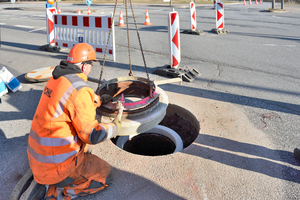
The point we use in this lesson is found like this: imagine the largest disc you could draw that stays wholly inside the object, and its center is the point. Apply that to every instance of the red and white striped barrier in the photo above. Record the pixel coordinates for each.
(250, 2)
(50, 25)
(260, 2)
(220, 20)
(72, 29)
(174, 39)
(193, 15)
(220, 15)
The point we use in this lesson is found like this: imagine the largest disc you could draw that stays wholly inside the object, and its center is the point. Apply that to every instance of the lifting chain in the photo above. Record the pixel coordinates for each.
(139, 39)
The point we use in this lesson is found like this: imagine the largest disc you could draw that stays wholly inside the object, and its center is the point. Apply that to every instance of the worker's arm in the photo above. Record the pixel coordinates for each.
(83, 119)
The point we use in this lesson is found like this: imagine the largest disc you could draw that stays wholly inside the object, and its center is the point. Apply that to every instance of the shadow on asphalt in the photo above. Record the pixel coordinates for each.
(134, 187)
(25, 102)
(12, 168)
(265, 160)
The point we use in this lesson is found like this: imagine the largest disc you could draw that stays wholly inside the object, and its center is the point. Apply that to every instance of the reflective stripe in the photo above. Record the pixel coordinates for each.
(77, 83)
(50, 159)
(48, 141)
(60, 107)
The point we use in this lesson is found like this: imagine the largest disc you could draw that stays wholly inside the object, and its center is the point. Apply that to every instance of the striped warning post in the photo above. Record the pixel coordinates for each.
(250, 2)
(193, 15)
(174, 39)
(220, 16)
(50, 25)
(220, 20)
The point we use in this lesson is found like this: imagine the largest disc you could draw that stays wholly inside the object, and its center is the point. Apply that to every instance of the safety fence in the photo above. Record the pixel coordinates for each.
(72, 29)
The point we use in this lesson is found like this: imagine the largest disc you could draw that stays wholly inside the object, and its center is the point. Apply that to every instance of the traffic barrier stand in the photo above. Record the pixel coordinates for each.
(220, 20)
(121, 20)
(71, 29)
(260, 1)
(147, 19)
(215, 2)
(10, 81)
(250, 2)
(3, 88)
(173, 70)
(244, 2)
(193, 21)
(50, 46)
(58, 11)
(256, 2)
(187, 74)
(89, 11)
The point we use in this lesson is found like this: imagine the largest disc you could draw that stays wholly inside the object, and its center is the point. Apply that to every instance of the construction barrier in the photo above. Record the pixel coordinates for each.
(174, 39)
(193, 21)
(220, 20)
(250, 2)
(220, 16)
(50, 25)
(72, 29)
(193, 15)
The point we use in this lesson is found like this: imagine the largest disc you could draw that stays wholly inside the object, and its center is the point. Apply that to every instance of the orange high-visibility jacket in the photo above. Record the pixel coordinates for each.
(63, 123)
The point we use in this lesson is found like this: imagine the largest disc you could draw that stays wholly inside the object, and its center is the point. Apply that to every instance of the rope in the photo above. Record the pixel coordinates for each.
(139, 39)
(112, 22)
(129, 55)
(138, 35)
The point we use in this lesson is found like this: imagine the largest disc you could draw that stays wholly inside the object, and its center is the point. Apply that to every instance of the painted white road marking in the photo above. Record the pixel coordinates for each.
(37, 29)
(21, 26)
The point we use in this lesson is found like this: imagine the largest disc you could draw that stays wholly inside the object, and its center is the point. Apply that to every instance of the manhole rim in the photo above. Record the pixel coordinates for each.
(159, 129)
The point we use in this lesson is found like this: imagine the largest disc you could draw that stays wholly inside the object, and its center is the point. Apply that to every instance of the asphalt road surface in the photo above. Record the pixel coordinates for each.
(254, 68)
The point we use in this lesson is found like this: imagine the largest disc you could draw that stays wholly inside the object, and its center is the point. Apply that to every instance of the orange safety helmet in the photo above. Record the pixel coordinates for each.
(81, 52)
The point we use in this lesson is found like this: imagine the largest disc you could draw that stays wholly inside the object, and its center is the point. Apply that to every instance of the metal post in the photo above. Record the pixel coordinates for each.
(170, 2)
(282, 2)
(273, 4)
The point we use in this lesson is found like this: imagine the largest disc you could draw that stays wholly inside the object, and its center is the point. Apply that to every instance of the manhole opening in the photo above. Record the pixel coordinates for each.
(150, 144)
(178, 129)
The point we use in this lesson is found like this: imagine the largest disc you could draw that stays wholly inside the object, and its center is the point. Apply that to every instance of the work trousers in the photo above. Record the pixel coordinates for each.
(91, 176)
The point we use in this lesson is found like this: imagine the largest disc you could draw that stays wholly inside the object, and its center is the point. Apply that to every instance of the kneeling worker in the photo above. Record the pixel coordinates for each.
(62, 127)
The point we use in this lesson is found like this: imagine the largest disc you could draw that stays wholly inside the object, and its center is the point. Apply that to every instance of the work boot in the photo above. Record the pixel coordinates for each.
(297, 153)
(35, 191)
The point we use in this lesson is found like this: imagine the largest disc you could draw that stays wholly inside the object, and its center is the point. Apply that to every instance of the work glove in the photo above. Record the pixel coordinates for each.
(105, 98)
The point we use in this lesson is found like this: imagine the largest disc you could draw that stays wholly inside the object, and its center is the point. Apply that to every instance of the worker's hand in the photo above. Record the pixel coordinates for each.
(105, 98)
(118, 124)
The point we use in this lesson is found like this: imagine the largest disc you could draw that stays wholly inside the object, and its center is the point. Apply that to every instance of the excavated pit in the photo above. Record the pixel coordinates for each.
(178, 129)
